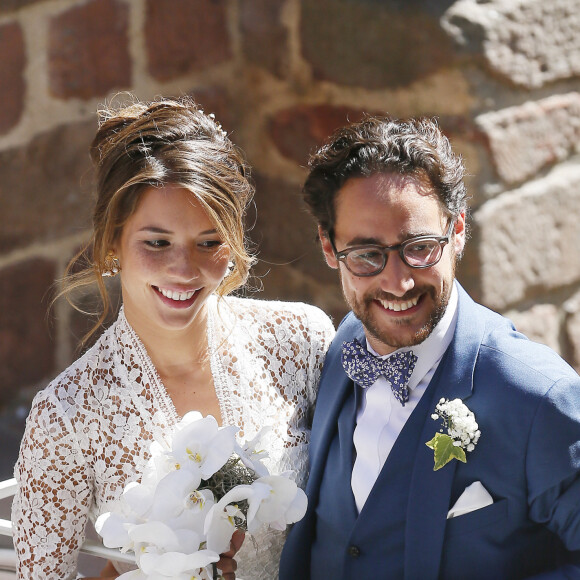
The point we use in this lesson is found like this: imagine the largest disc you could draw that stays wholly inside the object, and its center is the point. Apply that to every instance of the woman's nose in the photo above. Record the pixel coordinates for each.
(184, 264)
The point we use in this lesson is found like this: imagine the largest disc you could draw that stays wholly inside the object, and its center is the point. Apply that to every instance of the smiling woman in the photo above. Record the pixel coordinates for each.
(172, 192)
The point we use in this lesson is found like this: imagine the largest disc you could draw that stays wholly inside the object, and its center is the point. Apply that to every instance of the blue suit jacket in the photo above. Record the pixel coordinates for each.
(526, 401)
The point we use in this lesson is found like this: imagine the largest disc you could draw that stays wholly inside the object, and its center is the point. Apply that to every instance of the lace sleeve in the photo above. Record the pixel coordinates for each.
(50, 509)
(321, 331)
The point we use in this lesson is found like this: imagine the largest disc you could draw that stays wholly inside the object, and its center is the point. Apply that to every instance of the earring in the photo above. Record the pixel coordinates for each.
(111, 265)
(229, 268)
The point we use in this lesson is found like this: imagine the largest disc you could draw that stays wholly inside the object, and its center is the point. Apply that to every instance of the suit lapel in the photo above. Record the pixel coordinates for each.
(430, 490)
(335, 387)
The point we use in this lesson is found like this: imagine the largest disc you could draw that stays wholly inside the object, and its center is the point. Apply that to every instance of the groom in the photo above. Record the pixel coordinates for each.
(392, 492)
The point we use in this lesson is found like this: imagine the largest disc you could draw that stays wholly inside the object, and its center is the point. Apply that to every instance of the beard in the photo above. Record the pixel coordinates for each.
(396, 334)
(391, 337)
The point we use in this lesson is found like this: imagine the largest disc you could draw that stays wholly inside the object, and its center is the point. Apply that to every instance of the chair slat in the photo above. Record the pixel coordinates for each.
(8, 489)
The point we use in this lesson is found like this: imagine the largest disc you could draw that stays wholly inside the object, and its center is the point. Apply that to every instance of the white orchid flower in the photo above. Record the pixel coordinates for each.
(252, 453)
(158, 537)
(220, 522)
(133, 575)
(177, 565)
(277, 501)
(159, 465)
(114, 529)
(137, 498)
(202, 445)
(173, 493)
(197, 506)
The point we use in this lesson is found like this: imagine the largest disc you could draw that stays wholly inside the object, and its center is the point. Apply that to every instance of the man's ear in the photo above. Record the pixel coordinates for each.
(327, 248)
(459, 240)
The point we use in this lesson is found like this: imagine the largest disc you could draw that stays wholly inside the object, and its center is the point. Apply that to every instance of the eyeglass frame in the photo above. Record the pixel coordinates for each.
(384, 250)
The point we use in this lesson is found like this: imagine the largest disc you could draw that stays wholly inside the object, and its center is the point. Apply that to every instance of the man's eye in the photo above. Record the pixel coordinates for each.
(368, 256)
(423, 247)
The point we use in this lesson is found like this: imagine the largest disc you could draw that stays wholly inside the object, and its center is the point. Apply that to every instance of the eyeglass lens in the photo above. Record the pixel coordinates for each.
(418, 254)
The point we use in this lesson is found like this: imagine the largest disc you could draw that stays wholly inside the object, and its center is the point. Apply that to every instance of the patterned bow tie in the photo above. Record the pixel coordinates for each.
(364, 368)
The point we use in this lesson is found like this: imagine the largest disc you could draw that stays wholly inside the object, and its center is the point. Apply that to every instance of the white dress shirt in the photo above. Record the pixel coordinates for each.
(380, 417)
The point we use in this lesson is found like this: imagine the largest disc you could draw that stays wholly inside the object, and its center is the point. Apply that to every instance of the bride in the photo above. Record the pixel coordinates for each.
(172, 191)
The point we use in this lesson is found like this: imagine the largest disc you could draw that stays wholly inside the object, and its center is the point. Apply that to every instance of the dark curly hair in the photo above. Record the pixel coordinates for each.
(384, 145)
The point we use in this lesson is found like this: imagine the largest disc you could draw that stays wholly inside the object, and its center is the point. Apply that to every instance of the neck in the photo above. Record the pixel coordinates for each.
(172, 351)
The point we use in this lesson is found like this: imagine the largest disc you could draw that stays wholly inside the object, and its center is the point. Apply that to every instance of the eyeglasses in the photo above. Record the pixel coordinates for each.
(419, 252)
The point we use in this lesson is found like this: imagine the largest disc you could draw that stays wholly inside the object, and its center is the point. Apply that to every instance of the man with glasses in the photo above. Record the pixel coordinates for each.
(444, 443)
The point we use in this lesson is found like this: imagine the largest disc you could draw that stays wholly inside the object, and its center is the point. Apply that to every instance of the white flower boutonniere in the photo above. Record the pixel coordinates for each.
(462, 432)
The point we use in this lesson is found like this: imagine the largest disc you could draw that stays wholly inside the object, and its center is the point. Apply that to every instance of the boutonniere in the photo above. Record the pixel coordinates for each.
(462, 432)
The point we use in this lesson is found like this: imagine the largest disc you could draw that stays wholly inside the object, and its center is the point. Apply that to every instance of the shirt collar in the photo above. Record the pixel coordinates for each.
(432, 349)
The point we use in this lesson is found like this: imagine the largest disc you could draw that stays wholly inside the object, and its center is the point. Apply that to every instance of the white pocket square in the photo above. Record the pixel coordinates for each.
(473, 498)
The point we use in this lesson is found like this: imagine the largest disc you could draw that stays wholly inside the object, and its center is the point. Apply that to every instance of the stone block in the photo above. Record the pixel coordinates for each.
(572, 329)
(374, 44)
(88, 51)
(284, 232)
(264, 37)
(44, 187)
(215, 99)
(528, 138)
(528, 43)
(7, 6)
(540, 323)
(298, 131)
(528, 239)
(185, 35)
(27, 351)
(12, 84)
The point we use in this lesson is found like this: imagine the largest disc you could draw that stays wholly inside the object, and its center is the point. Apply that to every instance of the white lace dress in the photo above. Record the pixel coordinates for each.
(89, 431)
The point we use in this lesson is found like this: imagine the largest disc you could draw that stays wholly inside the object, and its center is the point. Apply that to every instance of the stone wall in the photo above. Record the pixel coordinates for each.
(502, 77)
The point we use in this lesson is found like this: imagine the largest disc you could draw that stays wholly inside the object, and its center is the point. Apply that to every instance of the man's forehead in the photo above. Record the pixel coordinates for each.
(390, 189)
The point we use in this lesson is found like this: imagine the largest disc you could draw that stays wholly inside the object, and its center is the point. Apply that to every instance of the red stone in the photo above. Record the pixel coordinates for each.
(264, 37)
(45, 187)
(216, 100)
(11, 5)
(27, 351)
(88, 53)
(12, 85)
(185, 35)
(374, 44)
(297, 131)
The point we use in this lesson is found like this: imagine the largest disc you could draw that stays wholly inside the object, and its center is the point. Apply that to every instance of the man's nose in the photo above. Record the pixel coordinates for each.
(396, 277)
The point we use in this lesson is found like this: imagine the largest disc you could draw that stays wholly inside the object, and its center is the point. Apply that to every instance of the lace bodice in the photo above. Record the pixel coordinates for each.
(88, 432)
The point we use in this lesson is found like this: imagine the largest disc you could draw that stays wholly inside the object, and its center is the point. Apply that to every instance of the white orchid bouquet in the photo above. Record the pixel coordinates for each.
(196, 490)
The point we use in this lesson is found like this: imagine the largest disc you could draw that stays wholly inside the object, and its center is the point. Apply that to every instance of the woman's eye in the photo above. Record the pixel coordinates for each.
(157, 243)
(210, 244)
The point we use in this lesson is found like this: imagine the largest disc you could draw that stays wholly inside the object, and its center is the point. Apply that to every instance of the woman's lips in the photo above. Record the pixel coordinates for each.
(177, 298)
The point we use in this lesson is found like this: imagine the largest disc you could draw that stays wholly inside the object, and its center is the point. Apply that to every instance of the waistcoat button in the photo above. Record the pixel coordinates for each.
(354, 551)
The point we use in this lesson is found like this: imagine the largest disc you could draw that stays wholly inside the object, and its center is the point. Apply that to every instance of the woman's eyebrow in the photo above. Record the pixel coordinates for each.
(158, 230)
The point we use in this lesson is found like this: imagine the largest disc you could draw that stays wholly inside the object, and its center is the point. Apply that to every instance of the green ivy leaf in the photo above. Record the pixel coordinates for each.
(444, 450)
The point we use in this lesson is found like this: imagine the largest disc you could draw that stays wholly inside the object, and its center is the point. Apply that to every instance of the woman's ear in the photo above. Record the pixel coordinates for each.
(327, 248)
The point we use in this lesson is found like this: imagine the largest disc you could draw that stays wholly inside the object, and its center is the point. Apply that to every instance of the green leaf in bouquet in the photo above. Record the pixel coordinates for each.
(445, 450)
